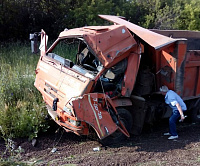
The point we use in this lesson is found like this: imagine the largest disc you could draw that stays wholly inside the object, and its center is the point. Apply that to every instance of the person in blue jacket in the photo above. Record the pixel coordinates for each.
(178, 108)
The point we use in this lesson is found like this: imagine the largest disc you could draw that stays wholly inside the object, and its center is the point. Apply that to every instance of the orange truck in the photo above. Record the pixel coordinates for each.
(111, 84)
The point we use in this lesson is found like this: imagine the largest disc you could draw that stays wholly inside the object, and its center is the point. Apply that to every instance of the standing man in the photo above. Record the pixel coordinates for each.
(178, 107)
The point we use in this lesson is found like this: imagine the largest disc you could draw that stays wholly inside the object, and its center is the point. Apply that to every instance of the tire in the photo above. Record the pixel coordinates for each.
(127, 120)
(195, 112)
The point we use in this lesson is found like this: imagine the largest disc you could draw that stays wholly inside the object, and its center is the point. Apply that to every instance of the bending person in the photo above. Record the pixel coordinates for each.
(178, 107)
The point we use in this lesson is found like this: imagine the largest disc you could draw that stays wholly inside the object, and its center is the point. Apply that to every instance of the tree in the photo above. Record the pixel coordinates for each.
(18, 18)
(87, 11)
(159, 14)
(190, 16)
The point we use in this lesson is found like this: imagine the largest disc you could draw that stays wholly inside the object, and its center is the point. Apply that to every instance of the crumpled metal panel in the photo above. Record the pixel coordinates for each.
(110, 45)
(153, 39)
(92, 108)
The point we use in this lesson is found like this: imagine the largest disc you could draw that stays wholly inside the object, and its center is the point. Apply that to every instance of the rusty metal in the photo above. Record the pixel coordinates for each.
(153, 39)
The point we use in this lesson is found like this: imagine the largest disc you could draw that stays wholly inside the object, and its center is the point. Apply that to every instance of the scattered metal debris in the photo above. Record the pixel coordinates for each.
(53, 150)
(34, 141)
(96, 148)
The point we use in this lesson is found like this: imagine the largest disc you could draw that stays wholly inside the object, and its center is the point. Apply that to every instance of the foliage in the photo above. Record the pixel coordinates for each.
(86, 13)
(21, 107)
(27, 16)
(190, 16)
(159, 14)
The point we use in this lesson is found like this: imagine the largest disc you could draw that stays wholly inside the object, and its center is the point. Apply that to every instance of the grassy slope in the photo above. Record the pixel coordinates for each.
(21, 107)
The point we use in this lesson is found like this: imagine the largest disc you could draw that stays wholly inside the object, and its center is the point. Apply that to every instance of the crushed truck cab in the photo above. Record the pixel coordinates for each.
(74, 93)
(111, 80)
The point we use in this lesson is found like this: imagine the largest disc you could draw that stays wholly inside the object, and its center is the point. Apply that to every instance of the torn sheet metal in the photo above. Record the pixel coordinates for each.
(153, 39)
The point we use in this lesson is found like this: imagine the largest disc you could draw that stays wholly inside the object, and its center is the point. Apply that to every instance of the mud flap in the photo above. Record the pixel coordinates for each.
(98, 111)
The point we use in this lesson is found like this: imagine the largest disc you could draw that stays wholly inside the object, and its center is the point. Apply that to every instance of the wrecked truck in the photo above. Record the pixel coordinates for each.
(110, 85)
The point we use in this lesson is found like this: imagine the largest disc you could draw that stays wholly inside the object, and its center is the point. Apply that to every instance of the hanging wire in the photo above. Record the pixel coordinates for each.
(103, 91)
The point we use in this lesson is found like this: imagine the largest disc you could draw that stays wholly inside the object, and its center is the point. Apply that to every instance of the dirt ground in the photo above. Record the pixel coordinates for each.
(150, 148)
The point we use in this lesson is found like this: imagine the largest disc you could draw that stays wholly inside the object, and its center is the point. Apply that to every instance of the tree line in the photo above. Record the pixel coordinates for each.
(19, 18)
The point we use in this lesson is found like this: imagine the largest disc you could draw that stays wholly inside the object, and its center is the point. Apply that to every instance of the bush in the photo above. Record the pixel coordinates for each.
(21, 107)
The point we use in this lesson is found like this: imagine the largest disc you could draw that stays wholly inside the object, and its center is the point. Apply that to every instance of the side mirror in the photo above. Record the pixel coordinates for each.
(34, 42)
(43, 43)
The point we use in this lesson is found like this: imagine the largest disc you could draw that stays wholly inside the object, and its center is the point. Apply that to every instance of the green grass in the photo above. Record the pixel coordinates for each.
(67, 50)
(21, 107)
(12, 163)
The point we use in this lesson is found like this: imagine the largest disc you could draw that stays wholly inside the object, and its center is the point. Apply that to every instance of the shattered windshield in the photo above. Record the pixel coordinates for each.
(67, 49)
(74, 53)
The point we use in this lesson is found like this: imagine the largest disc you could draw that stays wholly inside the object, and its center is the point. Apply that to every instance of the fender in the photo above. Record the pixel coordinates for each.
(98, 111)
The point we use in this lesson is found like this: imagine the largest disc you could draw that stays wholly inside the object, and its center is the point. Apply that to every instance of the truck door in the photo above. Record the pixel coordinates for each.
(57, 78)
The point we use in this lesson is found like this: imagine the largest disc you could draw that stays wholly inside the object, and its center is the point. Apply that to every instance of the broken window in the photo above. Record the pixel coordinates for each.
(74, 53)
(111, 81)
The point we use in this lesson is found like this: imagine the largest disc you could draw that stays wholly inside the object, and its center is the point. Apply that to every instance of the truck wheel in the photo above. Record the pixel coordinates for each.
(195, 112)
(127, 120)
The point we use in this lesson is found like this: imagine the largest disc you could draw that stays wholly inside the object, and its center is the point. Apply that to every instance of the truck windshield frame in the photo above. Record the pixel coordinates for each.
(75, 54)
